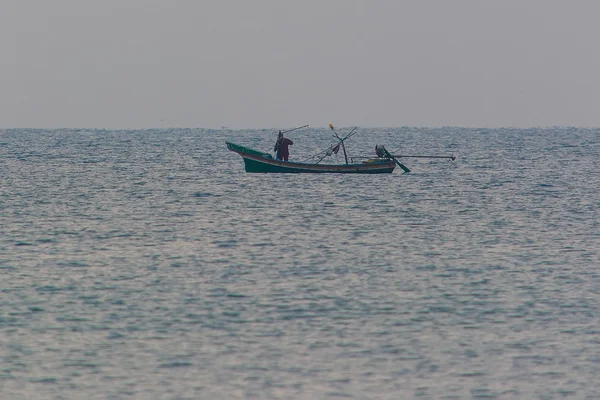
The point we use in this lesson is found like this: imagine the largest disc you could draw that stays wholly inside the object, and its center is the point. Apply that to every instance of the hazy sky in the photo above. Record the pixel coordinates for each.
(278, 63)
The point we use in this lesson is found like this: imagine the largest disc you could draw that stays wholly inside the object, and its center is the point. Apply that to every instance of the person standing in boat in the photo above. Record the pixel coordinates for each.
(282, 147)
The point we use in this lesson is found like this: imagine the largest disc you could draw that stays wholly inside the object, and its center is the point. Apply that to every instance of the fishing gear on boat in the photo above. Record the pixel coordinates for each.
(334, 148)
(294, 129)
(343, 139)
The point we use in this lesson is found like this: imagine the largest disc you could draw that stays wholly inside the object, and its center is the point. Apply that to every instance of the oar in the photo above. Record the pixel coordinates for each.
(387, 154)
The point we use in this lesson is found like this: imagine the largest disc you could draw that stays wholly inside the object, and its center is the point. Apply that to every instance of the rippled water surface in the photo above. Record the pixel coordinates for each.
(149, 265)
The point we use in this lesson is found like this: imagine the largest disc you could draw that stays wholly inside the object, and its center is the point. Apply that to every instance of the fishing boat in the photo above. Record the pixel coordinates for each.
(257, 161)
(263, 162)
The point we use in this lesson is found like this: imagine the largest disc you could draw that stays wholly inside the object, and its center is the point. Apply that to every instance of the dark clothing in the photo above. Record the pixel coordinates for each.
(283, 152)
(277, 143)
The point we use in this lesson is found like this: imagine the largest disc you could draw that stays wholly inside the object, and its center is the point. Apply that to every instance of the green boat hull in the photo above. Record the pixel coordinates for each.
(259, 162)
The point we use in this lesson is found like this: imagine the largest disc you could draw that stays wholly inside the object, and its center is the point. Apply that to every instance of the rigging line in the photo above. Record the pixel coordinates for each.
(316, 155)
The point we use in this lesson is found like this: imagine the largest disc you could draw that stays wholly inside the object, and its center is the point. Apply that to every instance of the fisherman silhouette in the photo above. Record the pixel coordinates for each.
(281, 147)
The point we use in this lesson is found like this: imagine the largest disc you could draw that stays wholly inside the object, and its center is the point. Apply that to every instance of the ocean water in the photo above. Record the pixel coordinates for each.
(149, 265)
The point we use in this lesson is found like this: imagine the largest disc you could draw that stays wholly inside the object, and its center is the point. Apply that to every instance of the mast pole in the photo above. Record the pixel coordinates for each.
(345, 155)
(341, 140)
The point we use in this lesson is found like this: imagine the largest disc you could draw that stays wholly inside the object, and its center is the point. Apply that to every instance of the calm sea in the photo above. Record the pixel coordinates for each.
(149, 265)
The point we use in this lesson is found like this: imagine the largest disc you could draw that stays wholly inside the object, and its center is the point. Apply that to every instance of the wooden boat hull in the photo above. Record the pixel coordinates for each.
(258, 162)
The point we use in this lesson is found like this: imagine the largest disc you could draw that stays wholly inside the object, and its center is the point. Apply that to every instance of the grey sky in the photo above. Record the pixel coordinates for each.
(277, 63)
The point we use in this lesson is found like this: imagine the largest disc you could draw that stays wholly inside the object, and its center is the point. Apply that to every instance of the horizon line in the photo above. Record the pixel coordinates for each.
(225, 128)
